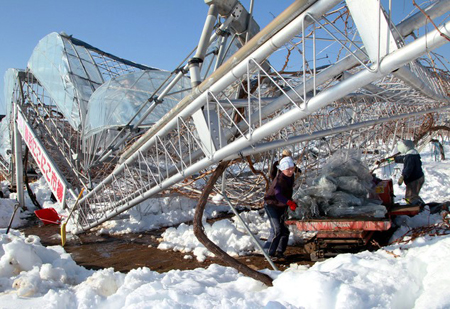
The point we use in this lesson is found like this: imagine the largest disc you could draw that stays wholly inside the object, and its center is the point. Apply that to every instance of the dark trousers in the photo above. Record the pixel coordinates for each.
(279, 232)
(413, 189)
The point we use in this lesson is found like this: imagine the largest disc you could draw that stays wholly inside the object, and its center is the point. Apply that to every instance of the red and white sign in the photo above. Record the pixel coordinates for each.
(50, 172)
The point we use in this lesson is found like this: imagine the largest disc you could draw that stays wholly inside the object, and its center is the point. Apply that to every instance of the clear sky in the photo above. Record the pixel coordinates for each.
(157, 33)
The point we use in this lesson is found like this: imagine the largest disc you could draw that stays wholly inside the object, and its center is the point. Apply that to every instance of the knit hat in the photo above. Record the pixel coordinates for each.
(286, 153)
(285, 163)
(405, 145)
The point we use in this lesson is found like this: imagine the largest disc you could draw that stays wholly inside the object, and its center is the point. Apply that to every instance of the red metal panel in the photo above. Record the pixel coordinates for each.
(345, 237)
(341, 225)
(341, 234)
(385, 191)
(404, 210)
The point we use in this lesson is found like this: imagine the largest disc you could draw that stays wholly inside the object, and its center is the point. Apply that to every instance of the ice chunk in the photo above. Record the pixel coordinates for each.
(370, 210)
(307, 208)
(341, 197)
(347, 163)
(323, 186)
(352, 184)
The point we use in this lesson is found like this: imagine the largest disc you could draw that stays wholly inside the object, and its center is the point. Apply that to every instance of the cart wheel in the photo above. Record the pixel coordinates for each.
(317, 256)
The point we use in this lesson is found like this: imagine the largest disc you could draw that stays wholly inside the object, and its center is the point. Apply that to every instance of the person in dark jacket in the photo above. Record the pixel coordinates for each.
(274, 169)
(277, 199)
(438, 149)
(412, 173)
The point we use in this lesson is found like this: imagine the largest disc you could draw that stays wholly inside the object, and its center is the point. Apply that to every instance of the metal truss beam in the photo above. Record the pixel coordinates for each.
(162, 143)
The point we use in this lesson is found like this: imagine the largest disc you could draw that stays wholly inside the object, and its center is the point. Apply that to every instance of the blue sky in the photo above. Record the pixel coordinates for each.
(156, 33)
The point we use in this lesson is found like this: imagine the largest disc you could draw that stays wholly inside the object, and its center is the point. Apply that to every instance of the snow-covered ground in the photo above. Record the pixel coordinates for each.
(412, 274)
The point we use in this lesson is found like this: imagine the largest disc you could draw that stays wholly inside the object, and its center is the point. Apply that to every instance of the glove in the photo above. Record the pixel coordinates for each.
(292, 205)
(400, 181)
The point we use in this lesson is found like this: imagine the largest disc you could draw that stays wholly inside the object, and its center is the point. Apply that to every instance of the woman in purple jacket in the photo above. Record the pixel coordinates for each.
(277, 199)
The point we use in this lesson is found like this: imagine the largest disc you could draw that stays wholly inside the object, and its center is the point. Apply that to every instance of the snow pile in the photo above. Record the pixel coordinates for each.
(4, 188)
(43, 194)
(412, 275)
(223, 233)
(159, 212)
(6, 212)
(256, 221)
(409, 276)
(405, 223)
(230, 236)
(32, 269)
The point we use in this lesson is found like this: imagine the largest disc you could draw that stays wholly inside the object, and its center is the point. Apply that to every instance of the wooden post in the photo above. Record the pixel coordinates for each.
(201, 236)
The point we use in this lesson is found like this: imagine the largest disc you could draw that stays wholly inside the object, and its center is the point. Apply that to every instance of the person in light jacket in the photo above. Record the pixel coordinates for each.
(412, 173)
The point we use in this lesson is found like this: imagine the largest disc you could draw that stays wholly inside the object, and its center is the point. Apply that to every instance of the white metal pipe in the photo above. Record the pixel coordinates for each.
(404, 28)
(407, 27)
(187, 107)
(258, 42)
(206, 33)
(350, 61)
(388, 64)
(267, 146)
(18, 159)
(418, 20)
(249, 232)
(195, 62)
(316, 10)
(415, 82)
(194, 70)
(221, 53)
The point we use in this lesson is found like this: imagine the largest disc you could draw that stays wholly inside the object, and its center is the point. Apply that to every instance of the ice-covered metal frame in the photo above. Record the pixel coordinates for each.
(11, 92)
(245, 107)
(335, 107)
(62, 75)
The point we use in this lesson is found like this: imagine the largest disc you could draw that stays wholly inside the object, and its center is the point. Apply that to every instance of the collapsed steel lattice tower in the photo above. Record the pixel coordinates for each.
(231, 102)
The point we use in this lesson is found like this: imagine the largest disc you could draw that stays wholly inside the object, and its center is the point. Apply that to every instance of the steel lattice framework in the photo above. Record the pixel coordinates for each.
(246, 109)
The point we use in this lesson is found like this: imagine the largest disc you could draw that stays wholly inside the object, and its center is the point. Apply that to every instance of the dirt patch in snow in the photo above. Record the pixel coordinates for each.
(126, 252)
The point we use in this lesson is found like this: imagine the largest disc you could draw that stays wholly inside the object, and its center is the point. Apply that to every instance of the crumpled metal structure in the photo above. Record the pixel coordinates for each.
(88, 106)
(68, 73)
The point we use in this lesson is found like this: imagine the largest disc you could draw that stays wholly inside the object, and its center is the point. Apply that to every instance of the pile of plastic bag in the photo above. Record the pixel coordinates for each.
(341, 190)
